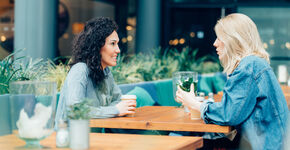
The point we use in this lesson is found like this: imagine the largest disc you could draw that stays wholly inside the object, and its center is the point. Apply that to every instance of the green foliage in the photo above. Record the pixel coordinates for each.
(144, 67)
(30, 69)
(157, 65)
(24, 68)
(56, 73)
(210, 65)
(12, 69)
(7, 73)
(80, 111)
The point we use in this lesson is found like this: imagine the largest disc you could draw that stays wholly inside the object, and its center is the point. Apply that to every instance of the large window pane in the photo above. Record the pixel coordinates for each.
(274, 27)
(78, 13)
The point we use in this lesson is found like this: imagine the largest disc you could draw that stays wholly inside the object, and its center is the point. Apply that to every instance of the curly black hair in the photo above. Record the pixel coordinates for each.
(88, 43)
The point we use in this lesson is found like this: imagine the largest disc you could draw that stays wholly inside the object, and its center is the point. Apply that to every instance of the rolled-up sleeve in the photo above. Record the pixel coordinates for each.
(104, 111)
(238, 101)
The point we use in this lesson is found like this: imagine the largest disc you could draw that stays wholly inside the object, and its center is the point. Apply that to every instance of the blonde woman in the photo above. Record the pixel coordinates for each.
(252, 101)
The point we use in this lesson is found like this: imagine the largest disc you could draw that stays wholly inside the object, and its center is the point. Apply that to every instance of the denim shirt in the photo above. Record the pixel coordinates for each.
(254, 103)
(78, 85)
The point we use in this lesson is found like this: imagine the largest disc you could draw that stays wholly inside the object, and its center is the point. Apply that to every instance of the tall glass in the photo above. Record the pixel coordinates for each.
(184, 79)
(32, 110)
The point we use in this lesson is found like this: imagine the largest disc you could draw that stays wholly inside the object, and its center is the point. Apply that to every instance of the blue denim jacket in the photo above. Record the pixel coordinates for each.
(254, 103)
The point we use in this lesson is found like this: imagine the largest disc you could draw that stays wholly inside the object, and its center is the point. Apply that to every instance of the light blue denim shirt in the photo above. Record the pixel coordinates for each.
(254, 103)
(78, 85)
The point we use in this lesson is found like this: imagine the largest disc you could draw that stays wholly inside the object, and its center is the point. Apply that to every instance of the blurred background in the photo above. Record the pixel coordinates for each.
(46, 28)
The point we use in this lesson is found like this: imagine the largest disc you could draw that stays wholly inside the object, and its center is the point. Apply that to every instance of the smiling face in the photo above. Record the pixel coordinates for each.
(220, 46)
(110, 50)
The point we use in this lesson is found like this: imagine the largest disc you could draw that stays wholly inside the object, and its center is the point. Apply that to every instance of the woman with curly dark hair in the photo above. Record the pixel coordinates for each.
(94, 49)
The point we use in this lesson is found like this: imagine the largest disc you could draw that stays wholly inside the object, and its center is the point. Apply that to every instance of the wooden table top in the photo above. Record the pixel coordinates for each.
(286, 91)
(166, 118)
(106, 141)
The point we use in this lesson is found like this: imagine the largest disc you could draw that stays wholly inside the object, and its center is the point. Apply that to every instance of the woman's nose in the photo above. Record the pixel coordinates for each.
(118, 49)
(215, 44)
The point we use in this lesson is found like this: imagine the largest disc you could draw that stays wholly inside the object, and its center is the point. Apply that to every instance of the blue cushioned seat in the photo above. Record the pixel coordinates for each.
(148, 86)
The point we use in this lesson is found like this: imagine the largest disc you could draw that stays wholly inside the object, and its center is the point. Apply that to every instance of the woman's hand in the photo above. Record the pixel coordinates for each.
(188, 98)
(126, 107)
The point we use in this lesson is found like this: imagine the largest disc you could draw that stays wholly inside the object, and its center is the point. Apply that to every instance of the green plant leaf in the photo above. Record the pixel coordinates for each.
(80, 111)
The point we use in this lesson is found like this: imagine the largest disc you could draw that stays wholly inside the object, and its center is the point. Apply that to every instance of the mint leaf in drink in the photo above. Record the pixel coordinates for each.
(185, 84)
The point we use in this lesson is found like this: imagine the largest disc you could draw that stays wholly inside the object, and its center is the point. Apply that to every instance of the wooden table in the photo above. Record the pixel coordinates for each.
(159, 118)
(116, 141)
(286, 91)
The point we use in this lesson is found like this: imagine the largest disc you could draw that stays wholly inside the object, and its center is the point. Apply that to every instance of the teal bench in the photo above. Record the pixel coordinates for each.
(161, 91)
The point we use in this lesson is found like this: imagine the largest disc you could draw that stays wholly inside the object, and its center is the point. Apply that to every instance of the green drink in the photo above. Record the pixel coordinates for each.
(195, 86)
(183, 80)
(185, 84)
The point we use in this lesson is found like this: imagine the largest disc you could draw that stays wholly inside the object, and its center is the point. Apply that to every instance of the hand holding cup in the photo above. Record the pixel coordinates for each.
(127, 105)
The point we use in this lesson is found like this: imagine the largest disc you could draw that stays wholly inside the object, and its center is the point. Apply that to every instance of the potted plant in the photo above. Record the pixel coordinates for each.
(78, 115)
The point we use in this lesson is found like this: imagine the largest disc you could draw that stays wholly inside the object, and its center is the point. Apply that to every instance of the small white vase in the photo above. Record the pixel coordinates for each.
(79, 131)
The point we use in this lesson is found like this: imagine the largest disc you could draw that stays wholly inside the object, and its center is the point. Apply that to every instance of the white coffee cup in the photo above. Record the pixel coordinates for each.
(129, 97)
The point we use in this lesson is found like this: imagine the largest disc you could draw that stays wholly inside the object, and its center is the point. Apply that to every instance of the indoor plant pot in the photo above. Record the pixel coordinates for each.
(79, 129)
(79, 134)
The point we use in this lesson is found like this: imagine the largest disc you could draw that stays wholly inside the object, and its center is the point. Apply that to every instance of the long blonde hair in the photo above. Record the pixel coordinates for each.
(241, 38)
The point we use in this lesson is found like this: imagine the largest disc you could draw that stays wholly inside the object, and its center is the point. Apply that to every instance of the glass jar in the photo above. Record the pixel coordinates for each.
(32, 105)
(62, 135)
(210, 97)
(200, 96)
